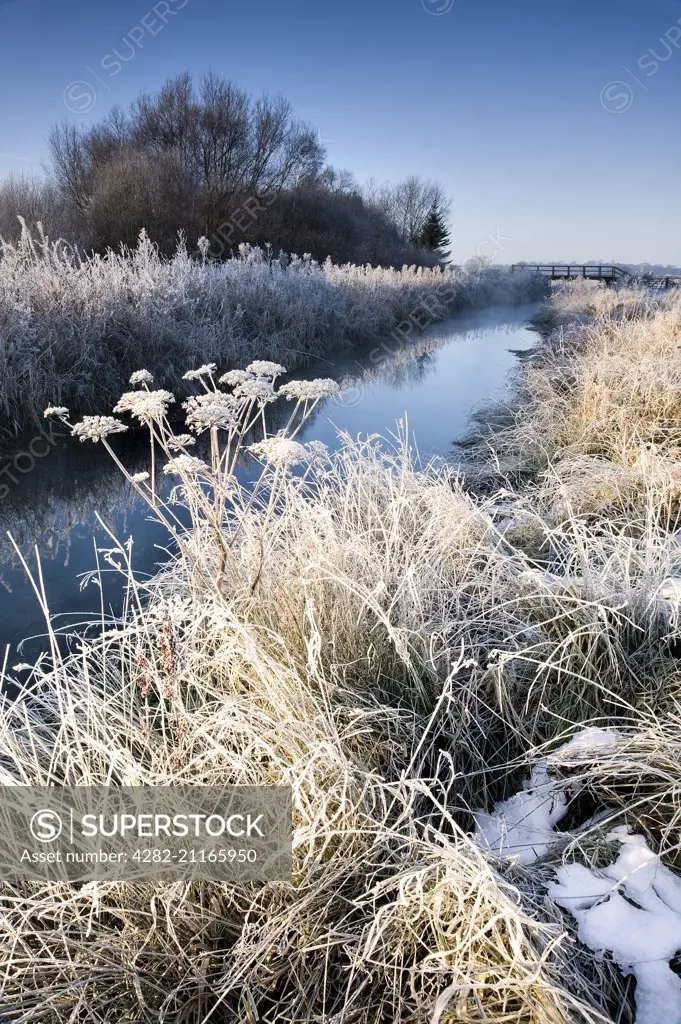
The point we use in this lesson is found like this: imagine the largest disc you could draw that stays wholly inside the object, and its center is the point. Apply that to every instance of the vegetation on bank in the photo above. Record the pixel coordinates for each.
(404, 652)
(73, 327)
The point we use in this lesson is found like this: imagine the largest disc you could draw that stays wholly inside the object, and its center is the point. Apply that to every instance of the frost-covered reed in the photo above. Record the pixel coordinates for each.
(73, 327)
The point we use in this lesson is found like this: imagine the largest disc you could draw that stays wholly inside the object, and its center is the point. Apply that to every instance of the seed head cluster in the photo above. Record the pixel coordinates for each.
(145, 406)
(310, 390)
(96, 428)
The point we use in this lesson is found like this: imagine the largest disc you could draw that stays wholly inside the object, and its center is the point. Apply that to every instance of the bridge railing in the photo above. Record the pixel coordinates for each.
(595, 271)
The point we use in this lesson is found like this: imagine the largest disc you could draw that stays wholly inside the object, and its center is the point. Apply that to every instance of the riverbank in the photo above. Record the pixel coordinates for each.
(53, 500)
(473, 699)
(74, 327)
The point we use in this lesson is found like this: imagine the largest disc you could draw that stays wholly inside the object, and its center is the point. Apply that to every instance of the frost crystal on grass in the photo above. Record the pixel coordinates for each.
(94, 428)
(280, 451)
(264, 368)
(139, 478)
(202, 371)
(141, 377)
(145, 406)
(310, 390)
(56, 410)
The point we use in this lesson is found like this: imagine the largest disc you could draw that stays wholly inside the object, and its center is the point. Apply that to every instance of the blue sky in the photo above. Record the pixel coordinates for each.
(509, 105)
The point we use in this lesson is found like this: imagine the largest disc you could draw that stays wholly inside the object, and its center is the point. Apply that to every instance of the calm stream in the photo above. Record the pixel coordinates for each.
(435, 382)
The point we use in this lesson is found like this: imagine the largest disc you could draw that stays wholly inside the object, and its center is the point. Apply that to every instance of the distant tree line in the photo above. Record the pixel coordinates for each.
(213, 162)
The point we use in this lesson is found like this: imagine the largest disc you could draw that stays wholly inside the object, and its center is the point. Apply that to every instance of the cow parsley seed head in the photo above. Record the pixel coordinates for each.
(56, 410)
(234, 377)
(222, 398)
(258, 389)
(139, 478)
(318, 451)
(145, 406)
(211, 416)
(203, 371)
(94, 428)
(180, 441)
(310, 390)
(177, 609)
(141, 377)
(279, 451)
(264, 368)
(214, 409)
(185, 465)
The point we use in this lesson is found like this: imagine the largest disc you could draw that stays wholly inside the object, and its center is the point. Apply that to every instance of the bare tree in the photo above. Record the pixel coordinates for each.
(71, 168)
(339, 180)
(36, 201)
(133, 191)
(407, 203)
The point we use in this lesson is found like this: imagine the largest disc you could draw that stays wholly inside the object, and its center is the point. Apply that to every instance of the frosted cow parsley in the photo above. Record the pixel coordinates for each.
(145, 406)
(310, 390)
(141, 377)
(264, 368)
(234, 377)
(96, 428)
(214, 409)
(257, 389)
(180, 441)
(203, 371)
(280, 451)
(185, 465)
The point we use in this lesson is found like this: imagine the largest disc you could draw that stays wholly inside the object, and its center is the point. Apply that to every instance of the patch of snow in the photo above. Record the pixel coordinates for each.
(523, 827)
(590, 739)
(632, 910)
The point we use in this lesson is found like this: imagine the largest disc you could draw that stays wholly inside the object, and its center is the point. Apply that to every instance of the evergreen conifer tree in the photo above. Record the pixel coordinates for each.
(434, 236)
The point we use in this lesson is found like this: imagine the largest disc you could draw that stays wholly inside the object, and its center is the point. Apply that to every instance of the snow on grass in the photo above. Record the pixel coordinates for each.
(523, 827)
(630, 909)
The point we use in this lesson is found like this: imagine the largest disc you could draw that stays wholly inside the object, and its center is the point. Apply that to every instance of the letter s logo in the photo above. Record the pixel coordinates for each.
(617, 97)
(46, 826)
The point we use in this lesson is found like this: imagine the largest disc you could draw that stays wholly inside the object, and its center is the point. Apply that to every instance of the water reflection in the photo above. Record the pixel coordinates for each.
(436, 380)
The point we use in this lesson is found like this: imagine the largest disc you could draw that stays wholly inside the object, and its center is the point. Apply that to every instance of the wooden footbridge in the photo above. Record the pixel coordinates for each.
(609, 273)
